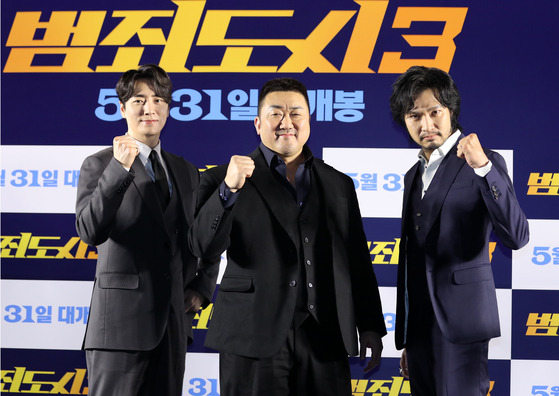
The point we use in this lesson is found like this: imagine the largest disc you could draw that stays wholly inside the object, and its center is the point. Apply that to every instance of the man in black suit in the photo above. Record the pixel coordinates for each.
(299, 280)
(135, 203)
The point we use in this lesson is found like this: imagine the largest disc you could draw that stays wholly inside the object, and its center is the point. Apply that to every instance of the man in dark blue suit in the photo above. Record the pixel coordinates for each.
(454, 196)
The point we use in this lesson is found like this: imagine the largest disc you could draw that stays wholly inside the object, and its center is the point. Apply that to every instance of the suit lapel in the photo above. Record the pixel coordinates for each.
(443, 180)
(146, 190)
(182, 186)
(408, 182)
(264, 182)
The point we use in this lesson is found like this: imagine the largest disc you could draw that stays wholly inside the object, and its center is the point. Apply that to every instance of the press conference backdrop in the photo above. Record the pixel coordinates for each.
(61, 60)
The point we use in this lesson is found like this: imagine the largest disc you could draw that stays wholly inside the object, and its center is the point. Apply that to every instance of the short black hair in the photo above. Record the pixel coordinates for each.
(154, 76)
(282, 84)
(417, 79)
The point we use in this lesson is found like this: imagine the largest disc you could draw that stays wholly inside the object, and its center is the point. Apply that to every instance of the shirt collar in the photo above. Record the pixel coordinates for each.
(443, 150)
(272, 159)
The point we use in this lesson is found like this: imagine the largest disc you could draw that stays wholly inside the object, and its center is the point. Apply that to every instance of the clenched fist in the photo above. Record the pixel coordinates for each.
(125, 150)
(240, 167)
(470, 149)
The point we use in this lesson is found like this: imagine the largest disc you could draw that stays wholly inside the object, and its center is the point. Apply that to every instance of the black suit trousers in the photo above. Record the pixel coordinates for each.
(313, 361)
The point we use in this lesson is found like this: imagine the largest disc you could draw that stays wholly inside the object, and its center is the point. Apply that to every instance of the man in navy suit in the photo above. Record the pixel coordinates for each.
(454, 196)
(135, 203)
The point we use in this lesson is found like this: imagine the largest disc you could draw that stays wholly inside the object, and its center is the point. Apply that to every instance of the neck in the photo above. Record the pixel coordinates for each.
(293, 162)
(150, 141)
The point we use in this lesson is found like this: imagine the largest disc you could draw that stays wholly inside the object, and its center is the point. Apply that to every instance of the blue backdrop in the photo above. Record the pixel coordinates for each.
(61, 61)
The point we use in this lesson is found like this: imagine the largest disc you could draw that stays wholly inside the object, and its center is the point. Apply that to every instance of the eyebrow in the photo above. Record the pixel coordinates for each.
(281, 107)
(139, 95)
(414, 111)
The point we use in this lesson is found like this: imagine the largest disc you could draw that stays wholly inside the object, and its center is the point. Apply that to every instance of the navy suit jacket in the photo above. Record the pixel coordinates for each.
(254, 307)
(463, 210)
(118, 211)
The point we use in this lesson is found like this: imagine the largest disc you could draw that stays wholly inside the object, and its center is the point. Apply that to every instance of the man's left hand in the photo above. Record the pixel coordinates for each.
(372, 340)
(193, 300)
(470, 149)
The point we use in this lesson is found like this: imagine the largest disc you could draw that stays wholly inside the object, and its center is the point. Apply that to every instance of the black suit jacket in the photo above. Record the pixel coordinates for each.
(255, 303)
(118, 212)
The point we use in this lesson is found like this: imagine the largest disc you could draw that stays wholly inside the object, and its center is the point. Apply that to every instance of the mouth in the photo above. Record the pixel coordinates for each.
(286, 134)
(429, 136)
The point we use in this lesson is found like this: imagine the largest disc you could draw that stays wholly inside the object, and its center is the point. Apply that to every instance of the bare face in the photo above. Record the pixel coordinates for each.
(429, 122)
(145, 114)
(283, 124)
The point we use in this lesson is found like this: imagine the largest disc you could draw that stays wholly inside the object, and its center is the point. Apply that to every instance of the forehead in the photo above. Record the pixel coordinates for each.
(141, 88)
(285, 99)
(425, 100)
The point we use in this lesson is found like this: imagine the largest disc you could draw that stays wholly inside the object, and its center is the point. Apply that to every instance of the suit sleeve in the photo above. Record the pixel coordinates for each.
(366, 296)
(205, 280)
(508, 219)
(101, 188)
(206, 272)
(209, 235)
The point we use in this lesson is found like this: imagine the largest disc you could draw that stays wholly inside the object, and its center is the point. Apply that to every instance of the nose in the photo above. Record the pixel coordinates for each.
(426, 123)
(147, 107)
(286, 122)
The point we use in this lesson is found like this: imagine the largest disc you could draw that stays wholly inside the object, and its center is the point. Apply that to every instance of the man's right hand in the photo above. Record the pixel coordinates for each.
(404, 365)
(125, 150)
(240, 167)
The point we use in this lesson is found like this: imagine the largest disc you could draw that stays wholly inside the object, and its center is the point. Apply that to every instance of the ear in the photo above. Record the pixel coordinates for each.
(122, 109)
(257, 125)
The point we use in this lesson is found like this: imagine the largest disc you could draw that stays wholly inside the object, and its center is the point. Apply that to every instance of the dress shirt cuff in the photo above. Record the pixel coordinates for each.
(484, 170)
(227, 197)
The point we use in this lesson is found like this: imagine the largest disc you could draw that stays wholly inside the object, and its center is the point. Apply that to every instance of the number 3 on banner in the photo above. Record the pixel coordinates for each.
(200, 389)
(108, 97)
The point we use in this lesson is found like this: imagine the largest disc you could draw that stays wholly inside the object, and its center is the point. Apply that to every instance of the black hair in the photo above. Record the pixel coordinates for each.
(154, 76)
(417, 79)
(282, 84)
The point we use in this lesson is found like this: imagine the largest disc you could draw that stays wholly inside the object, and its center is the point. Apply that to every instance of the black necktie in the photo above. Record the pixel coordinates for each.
(160, 177)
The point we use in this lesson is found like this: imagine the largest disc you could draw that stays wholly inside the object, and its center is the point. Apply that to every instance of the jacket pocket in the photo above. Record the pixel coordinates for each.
(236, 284)
(462, 184)
(473, 274)
(114, 280)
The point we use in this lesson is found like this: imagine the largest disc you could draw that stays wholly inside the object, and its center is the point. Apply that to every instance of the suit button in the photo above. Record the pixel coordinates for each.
(167, 275)
(293, 283)
(310, 284)
(306, 240)
(417, 228)
(418, 214)
(308, 262)
(311, 306)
